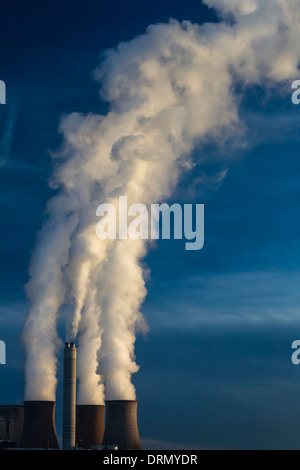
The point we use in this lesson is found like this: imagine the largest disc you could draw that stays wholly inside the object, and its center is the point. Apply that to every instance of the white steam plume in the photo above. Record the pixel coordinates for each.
(168, 90)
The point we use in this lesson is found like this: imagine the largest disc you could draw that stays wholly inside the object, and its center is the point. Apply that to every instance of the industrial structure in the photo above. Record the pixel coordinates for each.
(69, 399)
(90, 425)
(39, 425)
(121, 426)
(32, 426)
(11, 424)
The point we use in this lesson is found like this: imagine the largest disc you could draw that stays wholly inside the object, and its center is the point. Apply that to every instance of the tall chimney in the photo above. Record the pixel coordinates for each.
(39, 426)
(69, 400)
(90, 424)
(121, 425)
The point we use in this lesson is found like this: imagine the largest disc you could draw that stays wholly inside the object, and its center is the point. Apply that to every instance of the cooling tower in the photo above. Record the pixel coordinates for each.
(90, 424)
(39, 425)
(69, 401)
(121, 425)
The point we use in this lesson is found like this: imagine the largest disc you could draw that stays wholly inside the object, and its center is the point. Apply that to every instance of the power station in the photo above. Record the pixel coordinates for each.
(32, 426)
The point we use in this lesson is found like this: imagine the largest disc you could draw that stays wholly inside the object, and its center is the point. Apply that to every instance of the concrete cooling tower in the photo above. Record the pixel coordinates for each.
(39, 425)
(121, 425)
(90, 424)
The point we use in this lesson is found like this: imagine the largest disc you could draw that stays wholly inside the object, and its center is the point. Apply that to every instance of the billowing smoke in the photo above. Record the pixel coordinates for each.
(168, 90)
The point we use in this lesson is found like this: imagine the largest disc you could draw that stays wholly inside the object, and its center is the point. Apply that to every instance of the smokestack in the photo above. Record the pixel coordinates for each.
(39, 425)
(90, 424)
(69, 402)
(121, 425)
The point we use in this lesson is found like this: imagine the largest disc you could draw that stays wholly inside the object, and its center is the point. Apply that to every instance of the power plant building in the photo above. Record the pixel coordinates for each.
(32, 426)
(11, 424)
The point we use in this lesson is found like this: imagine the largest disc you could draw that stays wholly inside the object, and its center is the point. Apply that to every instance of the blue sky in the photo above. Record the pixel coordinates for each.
(215, 367)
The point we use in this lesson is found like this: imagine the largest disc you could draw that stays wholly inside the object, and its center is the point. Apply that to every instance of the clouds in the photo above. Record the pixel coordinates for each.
(270, 32)
(239, 299)
(11, 315)
(231, 387)
(236, 7)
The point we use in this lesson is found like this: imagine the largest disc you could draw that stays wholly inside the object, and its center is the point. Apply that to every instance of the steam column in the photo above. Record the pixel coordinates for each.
(69, 403)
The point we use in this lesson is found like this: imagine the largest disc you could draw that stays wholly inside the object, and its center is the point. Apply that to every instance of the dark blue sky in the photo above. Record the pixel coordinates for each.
(215, 367)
